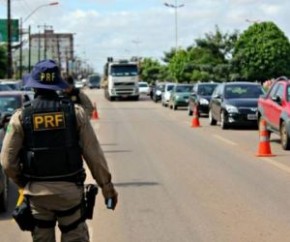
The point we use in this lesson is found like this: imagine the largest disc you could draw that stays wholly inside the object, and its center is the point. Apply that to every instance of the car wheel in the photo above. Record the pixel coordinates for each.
(285, 139)
(224, 125)
(189, 111)
(212, 121)
(4, 197)
(174, 107)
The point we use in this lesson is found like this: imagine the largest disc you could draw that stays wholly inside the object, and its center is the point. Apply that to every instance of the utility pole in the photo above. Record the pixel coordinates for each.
(45, 28)
(21, 48)
(29, 48)
(39, 45)
(9, 47)
(175, 7)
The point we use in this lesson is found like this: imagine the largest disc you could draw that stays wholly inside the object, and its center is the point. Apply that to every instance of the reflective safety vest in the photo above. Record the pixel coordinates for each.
(50, 150)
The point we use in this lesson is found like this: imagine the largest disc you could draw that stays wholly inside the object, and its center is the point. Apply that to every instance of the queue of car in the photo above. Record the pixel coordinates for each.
(232, 104)
(228, 103)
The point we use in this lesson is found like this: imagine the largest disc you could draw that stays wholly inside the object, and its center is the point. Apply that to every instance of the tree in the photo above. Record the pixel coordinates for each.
(150, 70)
(207, 59)
(262, 52)
(178, 66)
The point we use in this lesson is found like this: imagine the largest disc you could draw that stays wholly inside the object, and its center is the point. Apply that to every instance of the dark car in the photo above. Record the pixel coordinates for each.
(235, 103)
(179, 96)
(94, 81)
(200, 97)
(4, 181)
(9, 102)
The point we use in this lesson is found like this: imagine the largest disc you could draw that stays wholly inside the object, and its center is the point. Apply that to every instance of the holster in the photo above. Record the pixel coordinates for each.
(91, 192)
(23, 216)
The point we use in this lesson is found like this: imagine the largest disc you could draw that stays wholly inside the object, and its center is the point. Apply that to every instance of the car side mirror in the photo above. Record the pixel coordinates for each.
(216, 96)
(277, 99)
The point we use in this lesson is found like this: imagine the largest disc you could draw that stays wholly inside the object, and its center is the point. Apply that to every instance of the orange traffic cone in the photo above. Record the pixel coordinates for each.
(195, 118)
(264, 144)
(95, 114)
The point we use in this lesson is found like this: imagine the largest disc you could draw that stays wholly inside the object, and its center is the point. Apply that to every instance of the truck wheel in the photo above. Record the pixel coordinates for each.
(285, 139)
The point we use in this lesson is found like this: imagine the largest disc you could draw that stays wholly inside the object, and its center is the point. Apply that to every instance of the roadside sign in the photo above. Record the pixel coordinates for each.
(14, 30)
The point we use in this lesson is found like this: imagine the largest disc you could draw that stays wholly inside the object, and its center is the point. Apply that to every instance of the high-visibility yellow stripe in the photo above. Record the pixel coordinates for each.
(20, 198)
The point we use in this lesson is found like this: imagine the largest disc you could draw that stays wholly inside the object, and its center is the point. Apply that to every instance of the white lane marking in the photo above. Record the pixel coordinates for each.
(277, 164)
(224, 139)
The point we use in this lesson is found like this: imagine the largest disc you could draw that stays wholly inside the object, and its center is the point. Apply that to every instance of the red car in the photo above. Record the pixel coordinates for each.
(274, 108)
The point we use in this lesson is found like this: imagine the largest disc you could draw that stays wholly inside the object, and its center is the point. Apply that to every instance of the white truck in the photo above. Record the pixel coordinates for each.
(120, 79)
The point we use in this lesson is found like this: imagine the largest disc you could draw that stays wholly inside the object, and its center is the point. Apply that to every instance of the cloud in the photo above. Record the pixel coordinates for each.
(124, 28)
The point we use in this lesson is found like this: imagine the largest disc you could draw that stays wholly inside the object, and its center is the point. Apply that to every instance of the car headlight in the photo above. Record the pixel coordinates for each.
(231, 109)
(203, 101)
(177, 97)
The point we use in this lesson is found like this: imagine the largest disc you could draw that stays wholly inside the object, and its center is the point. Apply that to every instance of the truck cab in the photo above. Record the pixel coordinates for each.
(122, 78)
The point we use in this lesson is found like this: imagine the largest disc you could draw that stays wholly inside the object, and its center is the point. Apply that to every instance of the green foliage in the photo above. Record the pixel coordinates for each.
(150, 70)
(262, 52)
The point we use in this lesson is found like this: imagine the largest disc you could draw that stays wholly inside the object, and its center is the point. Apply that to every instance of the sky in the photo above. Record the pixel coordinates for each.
(125, 28)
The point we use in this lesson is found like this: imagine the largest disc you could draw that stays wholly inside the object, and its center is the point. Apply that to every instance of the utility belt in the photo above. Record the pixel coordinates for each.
(22, 214)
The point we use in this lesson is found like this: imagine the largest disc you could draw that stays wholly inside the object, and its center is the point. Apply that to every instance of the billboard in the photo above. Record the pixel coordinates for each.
(14, 30)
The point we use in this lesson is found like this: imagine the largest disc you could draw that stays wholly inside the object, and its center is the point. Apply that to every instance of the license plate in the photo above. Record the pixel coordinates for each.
(252, 117)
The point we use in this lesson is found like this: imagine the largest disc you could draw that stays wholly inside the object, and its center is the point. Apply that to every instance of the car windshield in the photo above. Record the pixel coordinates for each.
(143, 85)
(94, 79)
(124, 70)
(5, 87)
(169, 87)
(243, 91)
(160, 87)
(206, 90)
(9, 103)
(185, 88)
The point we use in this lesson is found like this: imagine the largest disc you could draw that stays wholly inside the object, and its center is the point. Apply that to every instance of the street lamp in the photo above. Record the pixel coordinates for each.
(21, 33)
(253, 21)
(40, 6)
(175, 6)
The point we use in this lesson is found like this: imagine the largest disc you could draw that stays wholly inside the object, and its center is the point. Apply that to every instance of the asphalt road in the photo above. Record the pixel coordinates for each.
(177, 183)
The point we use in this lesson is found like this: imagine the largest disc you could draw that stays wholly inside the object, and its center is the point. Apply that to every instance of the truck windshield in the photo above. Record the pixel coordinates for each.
(124, 70)
(94, 79)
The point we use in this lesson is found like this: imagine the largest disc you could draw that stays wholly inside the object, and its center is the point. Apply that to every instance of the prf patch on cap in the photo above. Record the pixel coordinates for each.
(48, 121)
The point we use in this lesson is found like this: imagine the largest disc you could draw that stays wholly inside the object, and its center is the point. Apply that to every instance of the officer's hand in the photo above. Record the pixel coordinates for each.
(110, 195)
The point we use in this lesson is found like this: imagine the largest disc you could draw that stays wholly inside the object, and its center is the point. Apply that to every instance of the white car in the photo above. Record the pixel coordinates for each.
(166, 94)
(144, 88)
(79, 84)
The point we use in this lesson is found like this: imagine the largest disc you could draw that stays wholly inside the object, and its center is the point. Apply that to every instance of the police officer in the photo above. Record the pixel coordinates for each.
(42, 153)
(78, 96)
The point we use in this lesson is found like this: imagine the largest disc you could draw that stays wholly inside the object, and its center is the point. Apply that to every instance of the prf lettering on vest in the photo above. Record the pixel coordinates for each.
(47, 77)
(48, 121)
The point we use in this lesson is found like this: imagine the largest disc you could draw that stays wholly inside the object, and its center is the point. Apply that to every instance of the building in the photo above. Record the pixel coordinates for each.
(56, 46)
